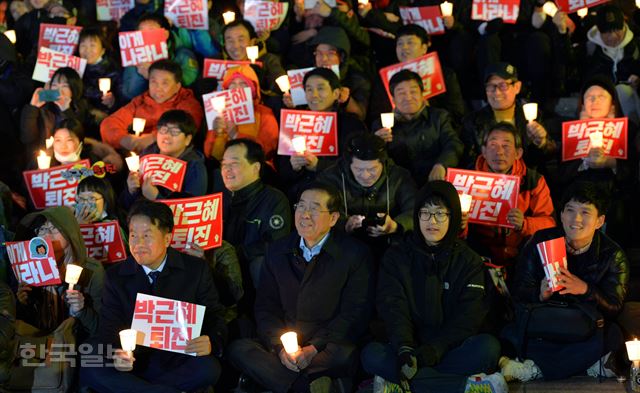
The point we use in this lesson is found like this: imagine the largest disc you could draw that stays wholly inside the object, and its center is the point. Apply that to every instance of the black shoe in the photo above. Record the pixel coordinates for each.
(247, 385)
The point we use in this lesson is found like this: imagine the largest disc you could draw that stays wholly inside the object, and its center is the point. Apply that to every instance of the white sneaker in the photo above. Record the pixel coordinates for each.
(513, 370)
(595, 372)
(483, 383)
(381, 385)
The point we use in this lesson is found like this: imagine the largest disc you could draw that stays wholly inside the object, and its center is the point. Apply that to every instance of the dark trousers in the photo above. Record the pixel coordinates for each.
(264, 367)
(178, 374)
(477, 354)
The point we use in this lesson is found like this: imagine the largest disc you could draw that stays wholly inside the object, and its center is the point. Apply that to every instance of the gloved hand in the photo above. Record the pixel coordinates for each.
(407, 363)
(494, 26)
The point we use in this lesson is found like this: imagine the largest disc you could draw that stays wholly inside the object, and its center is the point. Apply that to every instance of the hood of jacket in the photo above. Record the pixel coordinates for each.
(615, 53)
(248, 74)
(448, 192)
(62, 218)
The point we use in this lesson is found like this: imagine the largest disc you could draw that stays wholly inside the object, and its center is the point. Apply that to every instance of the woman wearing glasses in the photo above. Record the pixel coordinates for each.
(431, 297)
(176, 129)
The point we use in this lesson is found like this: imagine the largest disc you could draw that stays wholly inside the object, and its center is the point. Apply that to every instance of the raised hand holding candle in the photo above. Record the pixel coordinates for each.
(44, 161)
(530, 111)
(299, 144)
(446, 8)
(72, 275)
(104, 84)
(465, 202)
(228, 17)
(11, 35)
(133, 162)
(550, 8)
(252, 53)
(219, 103)
(290, 342)
(582, 12)
(283, 83)
(138, 125)
(596, 140)
(387, 120)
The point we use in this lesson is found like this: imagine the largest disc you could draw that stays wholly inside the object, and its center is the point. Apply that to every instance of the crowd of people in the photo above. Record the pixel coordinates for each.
(368, 254)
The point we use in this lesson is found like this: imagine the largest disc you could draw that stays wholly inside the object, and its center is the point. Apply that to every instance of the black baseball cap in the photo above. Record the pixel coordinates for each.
(503, 70)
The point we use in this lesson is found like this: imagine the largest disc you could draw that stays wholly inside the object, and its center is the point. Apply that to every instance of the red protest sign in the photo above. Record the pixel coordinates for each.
(33, 262)
(430, 18)
(166, 324)
(54, 186)
(296, 77)
(553, 254)
(146, 46)
(112, 9)
(164, 171)
(49, 61)
(104, 241)
(493, 194)
(60, 38)
(189, 14)
(319, 129)
(196, 220)
(214, 68)
(265, 15)
(487, 10)
(427, 66)
(238, 107)
(576, 141)
(570, 6)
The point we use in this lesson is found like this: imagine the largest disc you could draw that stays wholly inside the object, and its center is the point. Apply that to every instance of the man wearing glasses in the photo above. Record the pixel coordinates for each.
(317, 283)
(502, 87)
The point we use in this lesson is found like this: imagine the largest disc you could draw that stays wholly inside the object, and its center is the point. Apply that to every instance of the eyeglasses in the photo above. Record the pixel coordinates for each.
(174, 131)
(502, 86)
(314, 211)
(426, 215)
(89, 200)
(47, 229)
(327, 53)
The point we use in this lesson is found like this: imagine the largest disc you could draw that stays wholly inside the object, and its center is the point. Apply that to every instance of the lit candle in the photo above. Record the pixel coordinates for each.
(72, 275)
(252, 53)
(363, 2)
(11, 35)
(530, 111)
(283, 83)
(446, 8)
(44, 161)
(104, 85)
(638, 3)
(128, 338)
(138, 125)
(465, 202)
(133, 162)
(633, 348)
(229, 17)
(582, 12)
(550, 8)
(290, 342)
(596, 139)
(387, 120)
(49, 142)
(299, 144)
(219, 103)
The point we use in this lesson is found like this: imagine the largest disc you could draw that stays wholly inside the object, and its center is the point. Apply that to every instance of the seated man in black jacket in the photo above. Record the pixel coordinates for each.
(597, 276)
(317, 283)
(431, 297)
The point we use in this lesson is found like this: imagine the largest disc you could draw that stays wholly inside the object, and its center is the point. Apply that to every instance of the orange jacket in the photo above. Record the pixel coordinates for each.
(115, 126)
(265, 128)
(534, 200)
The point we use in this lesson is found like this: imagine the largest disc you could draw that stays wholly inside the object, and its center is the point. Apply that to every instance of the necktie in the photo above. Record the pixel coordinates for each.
(153, 275)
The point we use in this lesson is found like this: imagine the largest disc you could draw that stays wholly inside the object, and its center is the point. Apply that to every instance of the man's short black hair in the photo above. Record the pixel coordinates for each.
(335, 200)
(179, 118)
(413, 29)
(403, 76)
(241, 22)
(155, 17)
(254, 150)
(324, 73)
(504, 127)
(94, 32)
(158, 213)
(169, 66)
(587, 192)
